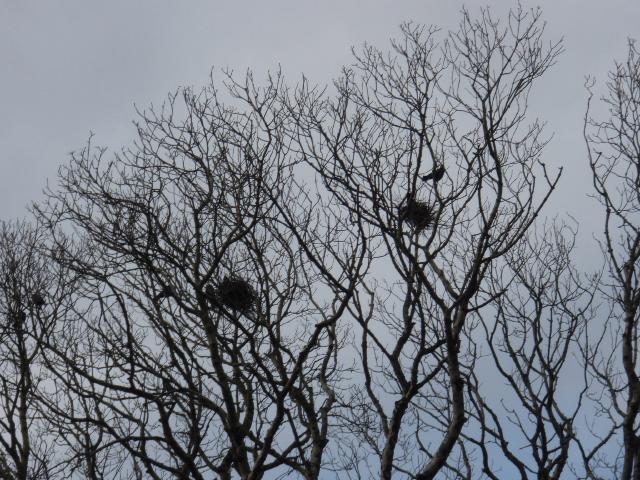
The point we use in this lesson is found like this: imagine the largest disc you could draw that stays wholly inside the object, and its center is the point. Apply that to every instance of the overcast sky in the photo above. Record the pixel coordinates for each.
(70, 67)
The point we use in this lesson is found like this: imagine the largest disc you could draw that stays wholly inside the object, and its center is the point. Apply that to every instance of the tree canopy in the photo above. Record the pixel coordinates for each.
(357, 281)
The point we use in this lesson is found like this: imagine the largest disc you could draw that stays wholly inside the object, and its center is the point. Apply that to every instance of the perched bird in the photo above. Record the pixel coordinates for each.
(167, 292)
(436, 174)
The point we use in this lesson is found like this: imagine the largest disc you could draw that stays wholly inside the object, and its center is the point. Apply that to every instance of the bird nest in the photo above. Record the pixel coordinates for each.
(236, 293)
(37, 299)
(416, 213)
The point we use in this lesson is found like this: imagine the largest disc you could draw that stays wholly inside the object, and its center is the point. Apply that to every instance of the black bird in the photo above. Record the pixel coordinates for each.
(167, 292)
(436, 174)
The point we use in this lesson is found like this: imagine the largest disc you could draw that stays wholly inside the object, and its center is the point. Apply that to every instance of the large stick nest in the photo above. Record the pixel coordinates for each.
(236, 293)
(416, 213)
(37, 299)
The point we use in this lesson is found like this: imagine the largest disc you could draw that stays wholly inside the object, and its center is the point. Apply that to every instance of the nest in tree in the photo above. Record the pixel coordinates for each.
(37, 299)
(236, 293)
(418, 214)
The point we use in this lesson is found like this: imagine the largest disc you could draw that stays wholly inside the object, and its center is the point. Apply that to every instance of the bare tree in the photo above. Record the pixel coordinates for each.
(32, 297)
(283, 282)
(613, 141)
(542, 312)
(207, 340)
(458, 111)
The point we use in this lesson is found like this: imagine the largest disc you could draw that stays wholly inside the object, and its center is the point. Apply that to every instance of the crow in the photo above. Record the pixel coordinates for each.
(167, 292)
(436, 174)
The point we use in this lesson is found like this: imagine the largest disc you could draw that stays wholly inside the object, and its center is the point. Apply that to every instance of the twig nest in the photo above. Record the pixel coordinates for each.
(236, 293)
(418, 214)
(37, 299)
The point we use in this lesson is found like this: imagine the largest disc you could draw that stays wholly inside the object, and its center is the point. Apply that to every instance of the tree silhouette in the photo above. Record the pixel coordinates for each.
(264, 285)
(27, 436)
(231, 369)
(366, 147)
(614, 158)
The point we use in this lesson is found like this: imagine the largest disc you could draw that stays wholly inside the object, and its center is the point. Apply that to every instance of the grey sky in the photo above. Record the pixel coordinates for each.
(72, 66)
